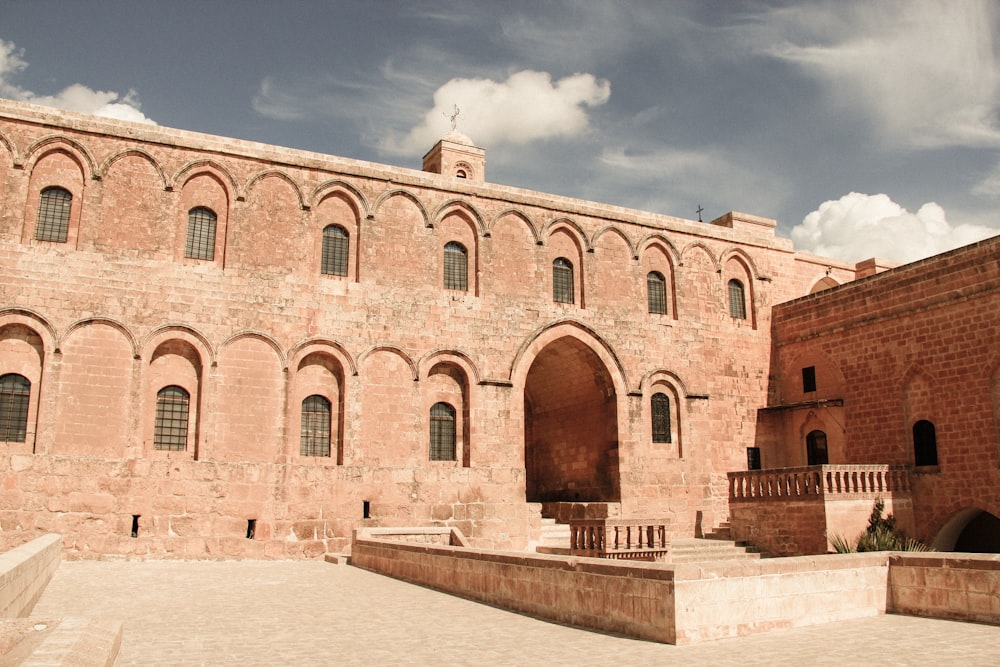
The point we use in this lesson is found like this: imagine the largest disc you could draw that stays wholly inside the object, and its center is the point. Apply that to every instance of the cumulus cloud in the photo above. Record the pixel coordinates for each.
(527, 107)
(859, 226)
(925, 71)
(76, 97)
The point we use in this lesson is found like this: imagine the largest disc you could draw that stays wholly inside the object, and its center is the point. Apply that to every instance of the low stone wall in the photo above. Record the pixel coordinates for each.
(737, 598)
(964, 587)
(674, 604)
(635, 599)
(24, 573)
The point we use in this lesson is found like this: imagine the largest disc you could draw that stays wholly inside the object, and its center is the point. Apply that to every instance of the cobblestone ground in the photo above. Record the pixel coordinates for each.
(313, 613)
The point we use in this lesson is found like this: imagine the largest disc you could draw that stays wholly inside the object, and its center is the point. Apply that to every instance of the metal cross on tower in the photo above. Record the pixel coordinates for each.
(453, 116)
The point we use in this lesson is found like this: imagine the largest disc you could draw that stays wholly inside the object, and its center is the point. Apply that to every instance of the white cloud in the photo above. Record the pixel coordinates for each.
(527, 107)
(859, 226)
(924, 70)
(75, 97)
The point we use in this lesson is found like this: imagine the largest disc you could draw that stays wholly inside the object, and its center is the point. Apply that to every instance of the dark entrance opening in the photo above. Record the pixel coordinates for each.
(571, 426)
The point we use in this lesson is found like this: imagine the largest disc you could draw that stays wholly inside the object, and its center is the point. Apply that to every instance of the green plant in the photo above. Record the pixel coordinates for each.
(880, 535)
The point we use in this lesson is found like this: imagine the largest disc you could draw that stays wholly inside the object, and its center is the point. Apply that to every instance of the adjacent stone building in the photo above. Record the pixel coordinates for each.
(205, 340)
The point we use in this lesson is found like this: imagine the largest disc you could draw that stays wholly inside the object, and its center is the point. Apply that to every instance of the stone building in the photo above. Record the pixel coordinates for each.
(205, 340)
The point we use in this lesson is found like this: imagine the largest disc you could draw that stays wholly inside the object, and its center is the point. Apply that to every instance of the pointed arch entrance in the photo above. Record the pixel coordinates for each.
(570, 425)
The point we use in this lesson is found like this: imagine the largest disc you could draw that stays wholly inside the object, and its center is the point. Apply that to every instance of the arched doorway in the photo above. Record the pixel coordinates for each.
(570, 426)
(972, 530)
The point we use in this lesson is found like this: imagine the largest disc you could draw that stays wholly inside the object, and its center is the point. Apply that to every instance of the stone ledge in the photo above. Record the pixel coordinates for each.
(24, 573)
(77, 642)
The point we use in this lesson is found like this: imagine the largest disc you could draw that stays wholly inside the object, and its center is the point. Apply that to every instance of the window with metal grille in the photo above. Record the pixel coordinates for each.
(442, 432)
(562, 281)
(753, 458)
(456, 271)
(816, 451)
(201, 234)
(737, 301)
(336, 244)
(170, 430)
(315, 438)
(924, 444)
(656, 292)
(15, 390)
(53, 215)
(660, 408)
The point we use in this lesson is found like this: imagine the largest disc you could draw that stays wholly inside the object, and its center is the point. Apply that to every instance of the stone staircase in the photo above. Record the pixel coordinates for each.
(715, 546)
(554, 539)
(696, 550)
(721, 532)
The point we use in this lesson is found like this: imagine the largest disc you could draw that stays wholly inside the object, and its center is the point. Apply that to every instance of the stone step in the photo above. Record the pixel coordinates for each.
(687, 550)
(554, 535)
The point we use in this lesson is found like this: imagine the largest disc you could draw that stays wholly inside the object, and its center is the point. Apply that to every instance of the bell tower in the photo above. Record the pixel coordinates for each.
(455, 155)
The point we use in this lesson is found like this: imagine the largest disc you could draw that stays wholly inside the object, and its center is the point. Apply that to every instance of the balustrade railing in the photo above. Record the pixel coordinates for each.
(814, 481)
(632, 539)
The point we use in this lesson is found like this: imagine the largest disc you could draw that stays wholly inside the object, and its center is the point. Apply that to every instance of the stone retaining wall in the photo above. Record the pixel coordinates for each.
(635, 599)
(964, 587)
(24, 573)
(680, 604)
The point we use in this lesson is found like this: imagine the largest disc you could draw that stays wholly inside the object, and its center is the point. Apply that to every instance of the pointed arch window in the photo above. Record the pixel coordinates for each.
(442, 434)
(336, 247)
(315, 435)
(656, 293)
(171, 427)
(200, 242)
(562, 280)
(816, 451)
(924, 444)
(15, 392)
(737, 300)
(54, 206)
(456, 263)
(660, 409)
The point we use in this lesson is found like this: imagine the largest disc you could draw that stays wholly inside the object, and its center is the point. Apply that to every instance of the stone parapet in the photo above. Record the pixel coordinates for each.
(798, 511)
(964, 587)
(24, 573)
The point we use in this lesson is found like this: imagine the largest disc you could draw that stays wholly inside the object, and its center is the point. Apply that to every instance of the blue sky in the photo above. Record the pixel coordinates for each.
(865, 128)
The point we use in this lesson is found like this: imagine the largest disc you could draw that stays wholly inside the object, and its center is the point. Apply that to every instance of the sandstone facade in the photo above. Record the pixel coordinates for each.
(358, 344)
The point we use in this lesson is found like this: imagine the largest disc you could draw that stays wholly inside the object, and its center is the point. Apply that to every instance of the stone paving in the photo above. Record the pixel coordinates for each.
(314, 613)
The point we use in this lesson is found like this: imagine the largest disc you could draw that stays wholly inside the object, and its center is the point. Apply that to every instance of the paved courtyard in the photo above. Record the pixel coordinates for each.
(314, 613)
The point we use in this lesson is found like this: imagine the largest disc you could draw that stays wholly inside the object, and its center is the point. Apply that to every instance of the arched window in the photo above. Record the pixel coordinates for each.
(442, 432)
(53, 215)
(656, 292)
(562, 281)
(336, 244)
(200, 234)
(15, 390)
(924, 444)
(315, 438)
(170, 430)
(737, 300)
(456, 273)
(660, 408)
(816, 448)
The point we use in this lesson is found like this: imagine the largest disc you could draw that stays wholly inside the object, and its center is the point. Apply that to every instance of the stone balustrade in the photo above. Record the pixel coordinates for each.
(621, 539)
(814, 481)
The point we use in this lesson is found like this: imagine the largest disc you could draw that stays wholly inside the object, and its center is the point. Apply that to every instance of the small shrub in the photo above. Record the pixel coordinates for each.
(880, 535)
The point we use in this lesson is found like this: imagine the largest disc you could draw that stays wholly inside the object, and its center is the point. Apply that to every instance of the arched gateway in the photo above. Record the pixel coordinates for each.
(570, 423)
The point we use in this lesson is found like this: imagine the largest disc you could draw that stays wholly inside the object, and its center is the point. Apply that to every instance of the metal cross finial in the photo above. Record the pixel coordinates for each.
(700, 209)
(453, 116)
